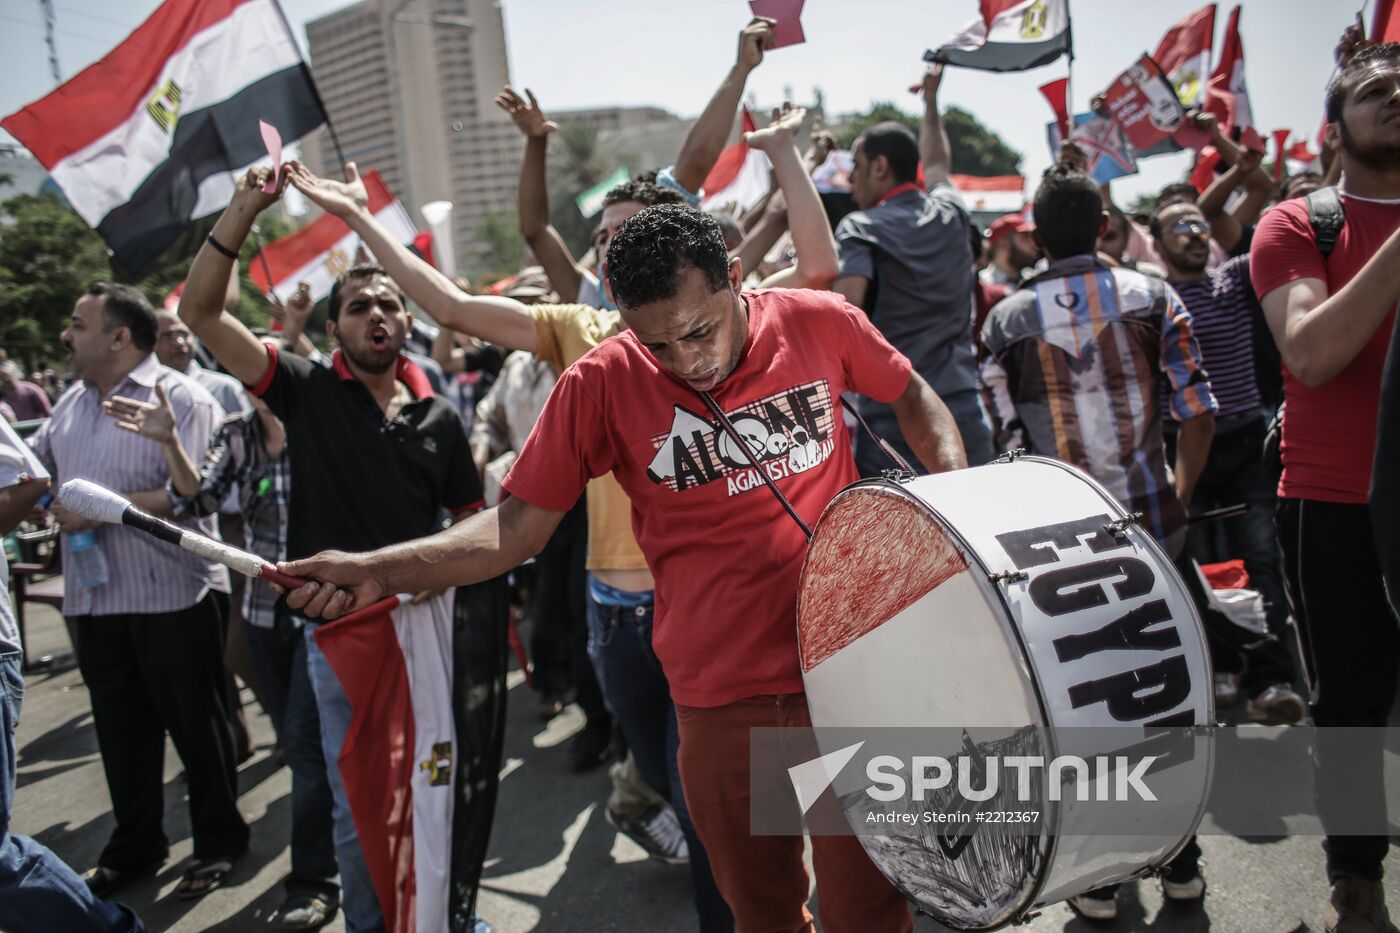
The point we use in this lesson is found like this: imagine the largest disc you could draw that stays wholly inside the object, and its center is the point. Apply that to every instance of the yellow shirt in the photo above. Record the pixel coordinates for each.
(563, 333)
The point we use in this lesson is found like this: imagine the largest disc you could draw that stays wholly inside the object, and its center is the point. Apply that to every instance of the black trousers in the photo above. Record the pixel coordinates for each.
(149, 674)
(559, 643)
(1351, 653)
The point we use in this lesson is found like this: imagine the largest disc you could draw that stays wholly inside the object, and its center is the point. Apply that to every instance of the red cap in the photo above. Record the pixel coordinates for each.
(1007, 223)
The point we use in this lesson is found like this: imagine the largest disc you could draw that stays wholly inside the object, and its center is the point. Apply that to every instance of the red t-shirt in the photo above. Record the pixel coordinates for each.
(1329, 431)
(725, 555)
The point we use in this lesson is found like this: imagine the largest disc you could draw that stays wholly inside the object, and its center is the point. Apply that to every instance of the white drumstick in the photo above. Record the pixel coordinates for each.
(90, 500)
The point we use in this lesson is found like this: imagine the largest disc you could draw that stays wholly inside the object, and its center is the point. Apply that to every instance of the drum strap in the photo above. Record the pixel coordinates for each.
(739, 442)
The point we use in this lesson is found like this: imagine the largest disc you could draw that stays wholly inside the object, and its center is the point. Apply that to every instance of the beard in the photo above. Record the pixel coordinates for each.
(370, 359)
(1373, 156)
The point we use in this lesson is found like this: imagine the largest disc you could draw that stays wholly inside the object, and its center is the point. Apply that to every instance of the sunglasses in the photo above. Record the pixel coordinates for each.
(1189, 226)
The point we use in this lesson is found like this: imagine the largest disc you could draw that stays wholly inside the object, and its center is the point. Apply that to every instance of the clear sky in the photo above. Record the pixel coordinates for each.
(670, 53)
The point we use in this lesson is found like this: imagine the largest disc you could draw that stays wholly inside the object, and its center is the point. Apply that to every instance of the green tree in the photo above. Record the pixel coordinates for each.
(49, 255)
(976, 150)
(578, 160)
(505, 246)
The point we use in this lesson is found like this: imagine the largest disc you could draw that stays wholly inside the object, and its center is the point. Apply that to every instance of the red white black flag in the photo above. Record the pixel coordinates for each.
(1010, 35)
(155, 134)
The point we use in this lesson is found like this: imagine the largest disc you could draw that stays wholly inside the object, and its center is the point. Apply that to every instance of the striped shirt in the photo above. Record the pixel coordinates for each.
(1223, 309)
(1075, 360)
(144, 575)
(237, 461)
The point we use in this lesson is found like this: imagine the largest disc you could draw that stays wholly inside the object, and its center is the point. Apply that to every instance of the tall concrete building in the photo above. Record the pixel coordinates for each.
(409, 86)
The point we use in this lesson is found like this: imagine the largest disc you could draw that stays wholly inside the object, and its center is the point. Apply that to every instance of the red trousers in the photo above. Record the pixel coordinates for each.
(762, 877)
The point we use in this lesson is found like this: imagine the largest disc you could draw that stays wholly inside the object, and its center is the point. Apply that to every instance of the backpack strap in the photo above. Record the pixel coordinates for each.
(1327, 215)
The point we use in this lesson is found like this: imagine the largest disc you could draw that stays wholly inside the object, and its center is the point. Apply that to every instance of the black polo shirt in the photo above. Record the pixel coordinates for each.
(359, 482)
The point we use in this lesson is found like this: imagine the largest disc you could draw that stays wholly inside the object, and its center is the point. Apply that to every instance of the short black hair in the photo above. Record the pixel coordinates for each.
(125, 306)
(897, 144)
(1154, 226)
(651, 248)
(1287, 184)
(1068, 212)
(366, 270)
(1339, 85)
(733, 232)
(1178, 190)
(643, 192)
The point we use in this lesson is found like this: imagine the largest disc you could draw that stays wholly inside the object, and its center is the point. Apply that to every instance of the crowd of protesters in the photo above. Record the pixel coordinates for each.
(1224, 350)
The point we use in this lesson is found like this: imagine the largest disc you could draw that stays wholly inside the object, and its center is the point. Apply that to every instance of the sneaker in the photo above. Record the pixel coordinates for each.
(1360, 906)
(550, 704)
(1227, 689)
(1095, 908)
(1278, 705)
(657, 831)
(480, 926)
(592, 746)
(1192, 889)
(303, 913)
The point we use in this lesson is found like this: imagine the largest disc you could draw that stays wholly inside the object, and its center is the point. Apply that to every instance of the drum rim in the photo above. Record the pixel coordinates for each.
(1028, 903)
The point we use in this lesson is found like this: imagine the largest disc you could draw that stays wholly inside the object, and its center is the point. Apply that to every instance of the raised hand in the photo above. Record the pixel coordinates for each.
(787, 121)
(334, 197)
(755, 39)
(1351, 42)
(932, 80)
(1249, 159)
(153, 420)
(1206, 122)
(249, 192)
(1073, 155)
(529, 119)
(340, 584)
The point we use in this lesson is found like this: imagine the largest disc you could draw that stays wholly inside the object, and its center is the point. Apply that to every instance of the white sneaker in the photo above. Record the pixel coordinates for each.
(1191, 890)
(1227, 689)
(657, 831)
(1094, 908)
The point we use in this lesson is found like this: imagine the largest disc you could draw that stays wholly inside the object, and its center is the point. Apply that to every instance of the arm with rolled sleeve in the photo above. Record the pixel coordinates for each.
(197, 417)
(1192, 403)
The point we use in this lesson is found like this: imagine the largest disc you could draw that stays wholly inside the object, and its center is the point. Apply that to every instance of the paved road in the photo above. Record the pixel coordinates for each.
(555, 864)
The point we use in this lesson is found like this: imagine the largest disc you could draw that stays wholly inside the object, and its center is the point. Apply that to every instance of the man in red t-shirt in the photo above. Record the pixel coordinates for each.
(1331, 316)
(725, 554)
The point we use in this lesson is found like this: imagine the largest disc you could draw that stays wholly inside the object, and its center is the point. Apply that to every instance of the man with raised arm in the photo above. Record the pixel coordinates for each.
(374, 456)
(621, 587)
(906, 258)
(1331, 308)
(724, 553)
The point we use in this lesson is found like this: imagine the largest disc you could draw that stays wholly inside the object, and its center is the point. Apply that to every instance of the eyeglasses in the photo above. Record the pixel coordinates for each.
(176, 336)
(1188, 226)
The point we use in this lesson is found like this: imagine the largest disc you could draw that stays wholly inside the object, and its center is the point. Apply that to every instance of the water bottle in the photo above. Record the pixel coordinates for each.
(89, 564)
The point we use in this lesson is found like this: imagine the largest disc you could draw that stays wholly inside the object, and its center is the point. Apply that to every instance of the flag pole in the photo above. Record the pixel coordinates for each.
(311, 79)
(262, 260)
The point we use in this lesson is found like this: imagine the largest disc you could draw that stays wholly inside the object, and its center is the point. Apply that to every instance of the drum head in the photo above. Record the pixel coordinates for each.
(898, 626)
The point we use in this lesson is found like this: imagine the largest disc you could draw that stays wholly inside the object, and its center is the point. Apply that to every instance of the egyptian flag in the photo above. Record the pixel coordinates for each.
(739, 179)
(1227, 96)
(992, 194)
(1385, 24)
(422, 757)
(157, 133)
(1184, 54)
(1010, 35)
(319, 252)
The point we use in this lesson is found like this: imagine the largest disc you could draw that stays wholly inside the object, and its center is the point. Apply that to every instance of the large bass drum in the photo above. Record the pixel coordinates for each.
(949, 601)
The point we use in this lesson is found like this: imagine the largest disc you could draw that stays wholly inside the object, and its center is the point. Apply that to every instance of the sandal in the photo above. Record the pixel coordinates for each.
(103, 881)
(307, 913)
(202, 877)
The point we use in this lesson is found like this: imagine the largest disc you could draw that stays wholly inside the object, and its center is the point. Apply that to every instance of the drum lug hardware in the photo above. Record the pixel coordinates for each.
(1008, 576)
(1011, 455)
(896, 476)
(1025, 918)
(1120, 527)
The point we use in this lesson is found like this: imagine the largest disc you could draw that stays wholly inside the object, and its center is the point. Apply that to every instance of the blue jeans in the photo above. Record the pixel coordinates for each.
(971, 418)
(358, 902)
(278, 655)
(38, 892)
(640, 697)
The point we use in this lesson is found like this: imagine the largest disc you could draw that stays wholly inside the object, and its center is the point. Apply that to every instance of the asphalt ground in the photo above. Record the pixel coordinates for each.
(554, 864)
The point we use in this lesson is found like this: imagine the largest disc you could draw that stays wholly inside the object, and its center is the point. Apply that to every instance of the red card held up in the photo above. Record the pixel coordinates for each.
(787, 29)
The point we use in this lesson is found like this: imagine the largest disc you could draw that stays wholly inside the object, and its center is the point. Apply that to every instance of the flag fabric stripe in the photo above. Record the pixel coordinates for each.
(211, 142)
(740, 177)
(87, 106)
(1005, 56)
(1227, 96)
(1385, 24)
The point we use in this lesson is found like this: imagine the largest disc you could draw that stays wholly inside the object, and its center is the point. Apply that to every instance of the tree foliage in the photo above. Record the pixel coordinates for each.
(49, 256)
(976, 150)
(505, 246)
(578, 160)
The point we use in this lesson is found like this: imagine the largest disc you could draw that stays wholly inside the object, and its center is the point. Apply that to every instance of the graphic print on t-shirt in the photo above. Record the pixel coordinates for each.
(788, 432)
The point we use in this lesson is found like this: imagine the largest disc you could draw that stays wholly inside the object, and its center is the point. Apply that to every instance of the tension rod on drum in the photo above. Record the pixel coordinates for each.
(1120, 527)
(1008, 576)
